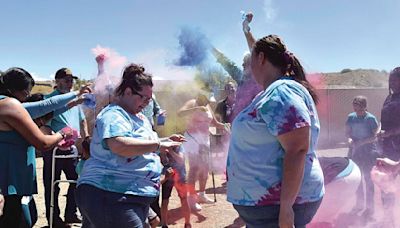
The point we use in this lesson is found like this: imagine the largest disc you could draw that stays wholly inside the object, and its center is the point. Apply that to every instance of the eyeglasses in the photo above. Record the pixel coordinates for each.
(143, 97)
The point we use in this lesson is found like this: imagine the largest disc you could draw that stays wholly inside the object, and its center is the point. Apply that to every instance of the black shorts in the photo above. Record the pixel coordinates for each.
(166, 189)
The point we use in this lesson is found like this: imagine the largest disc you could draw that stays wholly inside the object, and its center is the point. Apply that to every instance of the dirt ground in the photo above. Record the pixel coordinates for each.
(220, 214)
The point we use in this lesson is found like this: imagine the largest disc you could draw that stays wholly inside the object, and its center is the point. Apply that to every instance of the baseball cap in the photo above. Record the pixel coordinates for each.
(64, 73)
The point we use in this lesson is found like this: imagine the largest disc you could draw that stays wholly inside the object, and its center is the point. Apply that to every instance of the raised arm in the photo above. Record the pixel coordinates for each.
(229, 66)
(246, 29)
(100, 59)
(189, 107)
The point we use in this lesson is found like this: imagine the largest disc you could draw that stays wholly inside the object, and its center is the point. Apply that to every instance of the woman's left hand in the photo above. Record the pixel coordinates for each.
(177, 138)
(286, 217)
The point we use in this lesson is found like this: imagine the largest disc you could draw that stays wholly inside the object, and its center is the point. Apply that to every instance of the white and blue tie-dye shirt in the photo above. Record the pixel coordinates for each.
(255, 157)
(136, 175)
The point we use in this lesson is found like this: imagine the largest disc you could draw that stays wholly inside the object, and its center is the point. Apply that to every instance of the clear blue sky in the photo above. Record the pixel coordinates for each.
(45, 35)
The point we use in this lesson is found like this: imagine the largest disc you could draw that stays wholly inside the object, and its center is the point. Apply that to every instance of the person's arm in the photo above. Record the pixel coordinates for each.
(389, 165)
(156, 106)
(229, 66)
(214, 121)
(189, 107)
(15, 115)
(295, 144)
(39, 108)
(100, 59)
(178, 157)
(129, 147)
(58, 104)
(246, 30)
(347, 133)
(83, 124)
(84, 127)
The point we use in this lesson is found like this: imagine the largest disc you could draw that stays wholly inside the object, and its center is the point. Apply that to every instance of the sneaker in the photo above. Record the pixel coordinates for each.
(204, 199)
(194, 206)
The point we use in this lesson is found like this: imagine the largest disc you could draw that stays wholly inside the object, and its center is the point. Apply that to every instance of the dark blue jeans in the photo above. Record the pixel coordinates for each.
(68, 167)
(104, 209)
(268, 216)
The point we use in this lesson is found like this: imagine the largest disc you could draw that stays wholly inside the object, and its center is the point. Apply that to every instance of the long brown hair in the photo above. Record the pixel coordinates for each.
(275, 51)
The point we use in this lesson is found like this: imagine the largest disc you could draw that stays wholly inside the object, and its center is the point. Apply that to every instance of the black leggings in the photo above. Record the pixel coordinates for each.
(12, 212)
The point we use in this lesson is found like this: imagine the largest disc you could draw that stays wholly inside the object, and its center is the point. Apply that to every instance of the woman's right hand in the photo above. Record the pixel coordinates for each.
(169, 146)
(85, 89)
(286, 217)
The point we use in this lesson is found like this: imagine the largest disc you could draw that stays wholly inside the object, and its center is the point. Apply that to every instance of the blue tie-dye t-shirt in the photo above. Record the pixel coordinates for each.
(255, 157)
(136, 175)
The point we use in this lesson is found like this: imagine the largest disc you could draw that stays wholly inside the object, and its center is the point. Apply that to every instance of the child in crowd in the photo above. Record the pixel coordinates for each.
(174, 163)
(361, 130)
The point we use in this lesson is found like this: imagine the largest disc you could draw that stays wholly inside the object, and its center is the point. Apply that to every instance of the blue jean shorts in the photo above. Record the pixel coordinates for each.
(268, 216)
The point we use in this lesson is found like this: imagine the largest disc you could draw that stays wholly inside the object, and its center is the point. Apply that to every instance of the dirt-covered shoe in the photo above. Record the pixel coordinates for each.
(204, 199)
(194, 206)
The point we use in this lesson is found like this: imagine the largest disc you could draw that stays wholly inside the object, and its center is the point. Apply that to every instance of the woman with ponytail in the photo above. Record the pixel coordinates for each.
(274, 176)
(122, 176)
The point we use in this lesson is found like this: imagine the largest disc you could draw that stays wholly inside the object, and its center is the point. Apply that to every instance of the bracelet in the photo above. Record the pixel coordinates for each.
(62, 134)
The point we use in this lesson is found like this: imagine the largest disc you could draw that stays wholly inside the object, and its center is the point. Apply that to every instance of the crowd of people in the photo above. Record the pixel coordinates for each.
(268, 117)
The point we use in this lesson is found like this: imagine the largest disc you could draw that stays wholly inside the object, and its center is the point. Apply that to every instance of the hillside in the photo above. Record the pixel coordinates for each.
(359, 78)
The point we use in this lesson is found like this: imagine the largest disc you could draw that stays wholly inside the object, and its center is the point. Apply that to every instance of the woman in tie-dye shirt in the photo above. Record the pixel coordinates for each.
(122, 176)
(274, 177)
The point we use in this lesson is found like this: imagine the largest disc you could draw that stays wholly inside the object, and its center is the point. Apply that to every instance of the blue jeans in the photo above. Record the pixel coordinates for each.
(268, 216)
(104, 209)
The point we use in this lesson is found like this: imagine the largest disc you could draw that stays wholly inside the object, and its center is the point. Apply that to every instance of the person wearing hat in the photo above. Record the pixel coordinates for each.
(200, 117)
(74, 118)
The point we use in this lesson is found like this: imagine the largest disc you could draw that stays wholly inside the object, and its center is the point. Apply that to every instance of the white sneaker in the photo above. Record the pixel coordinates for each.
(202, 198)
(194, 206)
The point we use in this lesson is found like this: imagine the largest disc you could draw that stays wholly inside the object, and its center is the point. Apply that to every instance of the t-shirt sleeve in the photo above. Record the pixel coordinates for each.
(373, 124)
(284, 111)
(348, 121)
(113, 124)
